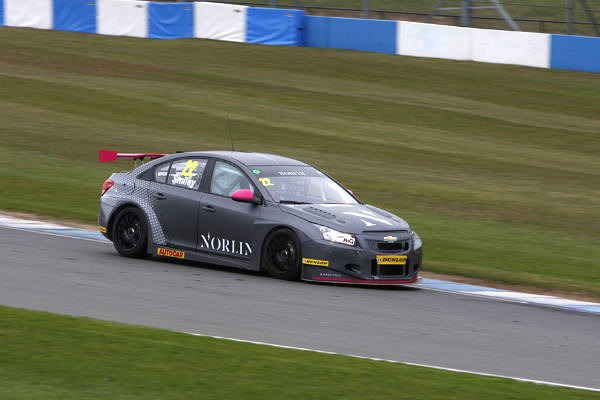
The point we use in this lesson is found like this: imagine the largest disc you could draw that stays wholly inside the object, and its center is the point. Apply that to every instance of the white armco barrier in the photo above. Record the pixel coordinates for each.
(122, 18)
(427, 40)
(28, 13)
(483, 45)
(220, 21)
(507, 47)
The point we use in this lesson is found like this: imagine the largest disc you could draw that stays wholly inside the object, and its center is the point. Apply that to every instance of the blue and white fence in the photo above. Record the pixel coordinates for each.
(293, 28)
(158, 20)
(405, 38)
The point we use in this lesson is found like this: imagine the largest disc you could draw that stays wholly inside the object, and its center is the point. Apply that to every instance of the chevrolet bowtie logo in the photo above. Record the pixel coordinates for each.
(390, 239)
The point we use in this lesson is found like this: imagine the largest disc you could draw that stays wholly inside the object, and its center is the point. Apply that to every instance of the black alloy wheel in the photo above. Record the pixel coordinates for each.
(130, 233)
(282, 255)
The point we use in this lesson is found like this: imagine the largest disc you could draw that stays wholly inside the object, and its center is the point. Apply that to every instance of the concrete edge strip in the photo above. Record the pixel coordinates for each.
(428, 284)
(538, 382)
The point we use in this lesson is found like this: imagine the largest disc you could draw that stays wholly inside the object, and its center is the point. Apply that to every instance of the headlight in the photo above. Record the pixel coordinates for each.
(337, 237)
(417, 243)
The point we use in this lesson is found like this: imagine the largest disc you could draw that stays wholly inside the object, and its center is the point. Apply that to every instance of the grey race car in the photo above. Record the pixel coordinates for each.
(257, 212)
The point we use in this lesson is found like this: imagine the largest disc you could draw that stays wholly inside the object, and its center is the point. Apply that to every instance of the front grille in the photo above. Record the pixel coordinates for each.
(377, 242)
(397, 246)
(392, 270)
(389, 270)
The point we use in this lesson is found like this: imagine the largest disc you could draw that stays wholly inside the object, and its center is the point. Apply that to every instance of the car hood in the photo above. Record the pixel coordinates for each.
(353, 218)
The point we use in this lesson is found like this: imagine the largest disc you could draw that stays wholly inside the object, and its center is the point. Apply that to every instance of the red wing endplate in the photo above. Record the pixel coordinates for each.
(107, 155)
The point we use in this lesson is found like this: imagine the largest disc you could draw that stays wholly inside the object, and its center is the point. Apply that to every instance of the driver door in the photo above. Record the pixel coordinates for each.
(227, 227)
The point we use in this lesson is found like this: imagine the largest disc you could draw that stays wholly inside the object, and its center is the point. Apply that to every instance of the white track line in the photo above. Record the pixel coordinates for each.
(56, 234)
(538, 382)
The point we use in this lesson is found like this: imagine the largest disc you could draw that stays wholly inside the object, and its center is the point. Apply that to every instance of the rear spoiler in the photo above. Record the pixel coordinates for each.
(107, 155)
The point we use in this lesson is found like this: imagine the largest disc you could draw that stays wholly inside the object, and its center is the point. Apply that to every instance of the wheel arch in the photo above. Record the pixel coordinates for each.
(116, 211)
(298, 234)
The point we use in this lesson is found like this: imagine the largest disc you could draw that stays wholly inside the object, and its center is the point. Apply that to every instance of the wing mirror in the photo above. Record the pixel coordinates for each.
(246, 196)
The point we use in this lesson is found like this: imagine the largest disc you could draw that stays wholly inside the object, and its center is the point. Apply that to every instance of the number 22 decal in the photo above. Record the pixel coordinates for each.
(266, 181)
(190, 167)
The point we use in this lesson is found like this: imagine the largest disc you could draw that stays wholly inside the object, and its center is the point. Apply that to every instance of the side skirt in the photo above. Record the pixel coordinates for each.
(191, 255)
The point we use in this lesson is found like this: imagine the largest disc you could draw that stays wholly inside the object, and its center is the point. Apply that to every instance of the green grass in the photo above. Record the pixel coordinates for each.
(47, 356)
(497, 167)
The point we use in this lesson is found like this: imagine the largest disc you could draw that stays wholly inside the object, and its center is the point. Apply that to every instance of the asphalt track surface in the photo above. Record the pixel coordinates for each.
(87, 278)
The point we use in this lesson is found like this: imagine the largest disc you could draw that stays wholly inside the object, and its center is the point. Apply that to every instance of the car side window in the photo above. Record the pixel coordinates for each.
(186, 173)
(227, 178)
(161, 172)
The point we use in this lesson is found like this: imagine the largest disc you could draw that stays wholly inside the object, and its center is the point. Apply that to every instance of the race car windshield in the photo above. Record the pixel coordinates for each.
(301, 185)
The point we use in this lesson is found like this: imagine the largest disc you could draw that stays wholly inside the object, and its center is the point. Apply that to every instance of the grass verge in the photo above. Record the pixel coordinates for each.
(495, 166)
(50, 356)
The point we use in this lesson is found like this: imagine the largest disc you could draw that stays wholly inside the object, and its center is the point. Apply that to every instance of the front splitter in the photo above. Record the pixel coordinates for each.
(365, 281)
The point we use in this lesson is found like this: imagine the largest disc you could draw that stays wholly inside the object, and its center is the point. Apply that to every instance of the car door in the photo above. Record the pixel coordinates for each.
(227, 227)
(177, 198)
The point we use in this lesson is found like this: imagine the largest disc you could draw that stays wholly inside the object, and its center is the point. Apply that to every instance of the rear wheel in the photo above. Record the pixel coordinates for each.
(282, 254)
(130, 233)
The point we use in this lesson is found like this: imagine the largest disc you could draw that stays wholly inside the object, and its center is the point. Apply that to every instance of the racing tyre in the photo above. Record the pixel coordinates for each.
(282, 256)
(130, 233)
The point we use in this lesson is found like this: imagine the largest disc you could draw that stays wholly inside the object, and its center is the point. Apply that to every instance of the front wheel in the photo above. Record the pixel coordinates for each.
(130, 233)
(282, 256)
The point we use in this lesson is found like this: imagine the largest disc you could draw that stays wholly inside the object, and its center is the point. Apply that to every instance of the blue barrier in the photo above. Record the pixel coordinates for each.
(76, 16)
(275, 26)
(352, 34)
(576, 53)
(280, 27)
(170, 20)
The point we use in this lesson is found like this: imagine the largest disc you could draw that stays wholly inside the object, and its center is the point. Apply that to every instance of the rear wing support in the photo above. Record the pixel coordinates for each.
(138, 158)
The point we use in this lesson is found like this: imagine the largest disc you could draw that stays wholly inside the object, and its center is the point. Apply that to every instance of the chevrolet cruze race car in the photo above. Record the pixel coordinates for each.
(255, 211)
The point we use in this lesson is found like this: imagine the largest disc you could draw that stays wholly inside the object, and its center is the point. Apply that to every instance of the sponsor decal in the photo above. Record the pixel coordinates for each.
(367, 223)
(291, 173)
(256, 171)
(266, 181)
(210, 242)
(391, 260)
(330, 274)
(184, 181)
(369, 217)
(170, 253)
(312, 261)
(102, 229)
(390, 239)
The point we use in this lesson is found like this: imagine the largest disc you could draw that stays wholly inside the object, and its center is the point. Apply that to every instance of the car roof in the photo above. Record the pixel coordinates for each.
(251, 159)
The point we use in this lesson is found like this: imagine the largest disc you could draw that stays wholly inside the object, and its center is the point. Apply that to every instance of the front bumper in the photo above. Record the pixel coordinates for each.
(324, 261)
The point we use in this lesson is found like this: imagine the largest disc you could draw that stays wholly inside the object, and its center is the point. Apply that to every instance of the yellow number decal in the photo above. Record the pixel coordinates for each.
(190, 166)
(266, 181)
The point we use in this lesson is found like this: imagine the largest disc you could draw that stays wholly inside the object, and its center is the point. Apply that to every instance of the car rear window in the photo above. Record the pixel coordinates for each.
(161, 172)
